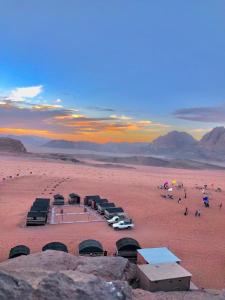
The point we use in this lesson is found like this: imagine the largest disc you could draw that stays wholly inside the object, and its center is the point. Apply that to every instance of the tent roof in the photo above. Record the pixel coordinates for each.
(58, 196)
(93, 197)
(107, 204)
(90, 246)
(55, 246)
(114, 209)
(98, 201)
(19, 250)
(73, 195)
(127, 244)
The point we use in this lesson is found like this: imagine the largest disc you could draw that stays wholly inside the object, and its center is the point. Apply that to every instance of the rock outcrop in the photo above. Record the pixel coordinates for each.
(11, 145)
(173, 141)
(214, 140)
(53, 275)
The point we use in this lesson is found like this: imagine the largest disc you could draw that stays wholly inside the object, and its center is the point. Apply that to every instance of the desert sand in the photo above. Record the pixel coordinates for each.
(199, 242)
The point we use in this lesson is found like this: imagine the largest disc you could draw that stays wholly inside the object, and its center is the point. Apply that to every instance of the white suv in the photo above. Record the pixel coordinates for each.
(115, 219)
(124, 224)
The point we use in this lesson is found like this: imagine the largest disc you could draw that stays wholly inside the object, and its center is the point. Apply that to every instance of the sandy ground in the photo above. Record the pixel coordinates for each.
(199, 242)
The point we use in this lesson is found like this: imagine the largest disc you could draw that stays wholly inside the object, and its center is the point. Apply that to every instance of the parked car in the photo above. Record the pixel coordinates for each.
(124, 224)
(115, 219)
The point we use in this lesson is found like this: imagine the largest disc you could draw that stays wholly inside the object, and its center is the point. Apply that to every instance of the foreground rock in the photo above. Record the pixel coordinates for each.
(108, 268)
(57, 275)
(11, 145)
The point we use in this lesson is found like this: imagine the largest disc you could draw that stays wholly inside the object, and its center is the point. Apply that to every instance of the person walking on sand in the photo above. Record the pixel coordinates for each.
(198, 213)
(221, 204)
(186, 211)
(179, 200)
(185, 194)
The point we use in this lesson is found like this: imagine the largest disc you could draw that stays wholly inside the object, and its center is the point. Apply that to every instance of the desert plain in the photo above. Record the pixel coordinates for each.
(198, 241)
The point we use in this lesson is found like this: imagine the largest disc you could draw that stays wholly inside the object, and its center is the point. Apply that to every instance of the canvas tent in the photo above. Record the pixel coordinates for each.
(55, 246)
(113, 211)
(74, 198)
(36, 218)
(95, 202)
(127, 247)
(90, 247)
(102, 206)
(18, 251)
(88, 199)
(58, 200)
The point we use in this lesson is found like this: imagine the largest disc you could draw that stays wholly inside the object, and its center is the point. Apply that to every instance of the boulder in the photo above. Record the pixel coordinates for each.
(63, 286)
(108, 268)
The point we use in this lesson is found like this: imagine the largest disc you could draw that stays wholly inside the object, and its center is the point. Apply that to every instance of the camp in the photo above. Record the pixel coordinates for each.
(18, 251)
(91, 248)
(74, 199)
(95, 202)
(55, 246)
(127, 247)
(88, 199)
(102, 206)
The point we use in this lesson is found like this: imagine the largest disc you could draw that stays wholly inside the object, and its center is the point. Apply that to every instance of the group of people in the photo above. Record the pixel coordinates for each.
(197, 212)
(169, 189)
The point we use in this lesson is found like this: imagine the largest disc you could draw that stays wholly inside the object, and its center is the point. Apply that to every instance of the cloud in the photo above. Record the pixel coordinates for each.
(19, 94)
(57, 100)
(214, 114)
(122, 117)
(22, 113)
(46, 106)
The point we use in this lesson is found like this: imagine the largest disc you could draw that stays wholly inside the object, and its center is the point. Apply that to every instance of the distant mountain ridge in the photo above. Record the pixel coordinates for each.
(107, 147)
(175, 144)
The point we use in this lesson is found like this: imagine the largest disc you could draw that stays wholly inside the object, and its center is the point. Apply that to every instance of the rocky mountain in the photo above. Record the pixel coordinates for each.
(214, 140)
(11, 145)
(175, 144)
(173, 141)
(53, 275)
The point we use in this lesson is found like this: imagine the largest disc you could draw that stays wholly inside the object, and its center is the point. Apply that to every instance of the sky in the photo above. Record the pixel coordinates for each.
(121, 70)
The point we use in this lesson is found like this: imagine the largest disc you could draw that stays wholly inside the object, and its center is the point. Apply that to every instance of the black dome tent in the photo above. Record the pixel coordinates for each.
(55, 246)
(18, 251)
(90, 247)
(127, 247)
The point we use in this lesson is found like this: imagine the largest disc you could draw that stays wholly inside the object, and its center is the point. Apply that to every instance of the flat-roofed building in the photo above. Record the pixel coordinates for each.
(163, 277)
(160, 255)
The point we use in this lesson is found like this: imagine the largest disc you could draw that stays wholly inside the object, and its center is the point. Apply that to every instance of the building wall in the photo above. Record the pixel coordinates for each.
(178, 284)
